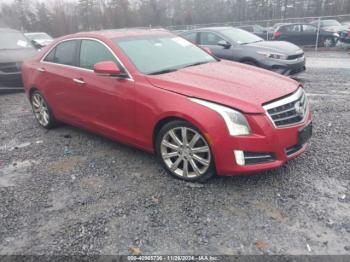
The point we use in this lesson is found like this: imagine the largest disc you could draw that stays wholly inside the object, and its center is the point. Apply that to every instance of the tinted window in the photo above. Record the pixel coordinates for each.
(51, 56)
(191, 37)
(309, 28)
(210, 38)
(293, 28)
(66, 53)
(93, 52)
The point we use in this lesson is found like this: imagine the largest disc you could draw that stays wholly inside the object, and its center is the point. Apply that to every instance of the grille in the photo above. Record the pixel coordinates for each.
(290, 110)
(292, 150)
(10, 67)
(292, 57)
(258, 157)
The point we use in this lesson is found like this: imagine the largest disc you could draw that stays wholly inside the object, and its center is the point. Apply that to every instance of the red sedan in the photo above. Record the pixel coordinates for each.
(159, 92)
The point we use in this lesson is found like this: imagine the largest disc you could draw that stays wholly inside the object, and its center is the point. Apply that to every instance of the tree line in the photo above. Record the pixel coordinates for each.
(62, 17)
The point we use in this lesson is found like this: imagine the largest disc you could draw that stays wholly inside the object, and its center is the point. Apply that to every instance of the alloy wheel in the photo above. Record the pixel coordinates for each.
(40, 109)
(185, 152)
(328, 42)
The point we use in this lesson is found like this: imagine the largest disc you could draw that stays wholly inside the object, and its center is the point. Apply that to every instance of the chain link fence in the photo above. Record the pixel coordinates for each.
(268, 27)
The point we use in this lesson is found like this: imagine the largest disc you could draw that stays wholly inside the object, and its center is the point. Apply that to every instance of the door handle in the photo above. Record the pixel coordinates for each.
(79, 81)
(40, 69)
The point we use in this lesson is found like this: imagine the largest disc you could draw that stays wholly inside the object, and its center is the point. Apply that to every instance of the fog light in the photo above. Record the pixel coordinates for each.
(239, 155)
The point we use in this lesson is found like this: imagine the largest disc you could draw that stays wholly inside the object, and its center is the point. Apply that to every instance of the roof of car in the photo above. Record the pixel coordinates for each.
(32, 33)
(213, 28)
(120, 33)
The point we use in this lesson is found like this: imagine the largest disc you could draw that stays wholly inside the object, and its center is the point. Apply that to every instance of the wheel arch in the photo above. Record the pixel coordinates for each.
(174, 117)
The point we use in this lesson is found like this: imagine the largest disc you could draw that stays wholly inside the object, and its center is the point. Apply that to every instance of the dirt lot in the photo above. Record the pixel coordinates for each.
(67, 191)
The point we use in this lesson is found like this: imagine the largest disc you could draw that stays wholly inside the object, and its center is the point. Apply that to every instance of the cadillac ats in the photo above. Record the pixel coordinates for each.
(159, 92)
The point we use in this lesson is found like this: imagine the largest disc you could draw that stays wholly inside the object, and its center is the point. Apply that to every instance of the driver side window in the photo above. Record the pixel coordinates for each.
(208, 38)
(93, 52)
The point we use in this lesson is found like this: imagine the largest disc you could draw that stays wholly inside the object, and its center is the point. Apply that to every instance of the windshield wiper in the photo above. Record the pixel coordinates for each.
(165, 71)
(197, 64)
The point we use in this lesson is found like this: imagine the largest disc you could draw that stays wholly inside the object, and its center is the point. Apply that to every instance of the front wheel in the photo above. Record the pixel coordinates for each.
(184, 152)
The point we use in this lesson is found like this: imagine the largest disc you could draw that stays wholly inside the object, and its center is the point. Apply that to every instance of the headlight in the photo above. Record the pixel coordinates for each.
(235, 121)
(273, 55)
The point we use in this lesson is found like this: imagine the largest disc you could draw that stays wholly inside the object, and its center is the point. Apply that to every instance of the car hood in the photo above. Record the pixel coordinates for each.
(16, 55)
(276, 46)
(239, 86)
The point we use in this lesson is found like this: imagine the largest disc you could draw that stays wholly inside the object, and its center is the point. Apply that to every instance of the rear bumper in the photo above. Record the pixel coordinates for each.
(285, 67)
(281, 143)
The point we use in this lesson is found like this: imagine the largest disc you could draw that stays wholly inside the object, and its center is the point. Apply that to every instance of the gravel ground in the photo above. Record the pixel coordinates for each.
(67, 191)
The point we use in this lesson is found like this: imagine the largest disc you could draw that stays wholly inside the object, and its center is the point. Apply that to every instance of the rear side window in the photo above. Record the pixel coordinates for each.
(208, 38)
(293, 28)
(66, 53)
(309, 28)
(93, 52)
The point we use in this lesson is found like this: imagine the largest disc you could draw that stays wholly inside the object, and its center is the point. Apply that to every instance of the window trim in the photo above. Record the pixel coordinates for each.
(129, 76)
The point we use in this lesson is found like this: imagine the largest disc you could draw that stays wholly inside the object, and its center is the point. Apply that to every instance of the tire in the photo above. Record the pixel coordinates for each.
(42, 111)
(328, 42)
(175, 157)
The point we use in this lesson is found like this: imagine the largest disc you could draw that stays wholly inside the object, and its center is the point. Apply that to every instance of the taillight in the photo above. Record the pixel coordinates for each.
(277, 34)
(348, 33)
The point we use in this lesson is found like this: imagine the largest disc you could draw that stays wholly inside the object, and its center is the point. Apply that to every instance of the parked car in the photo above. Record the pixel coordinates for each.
(14, 48)
(305, 34)
(159, 92)
(344, 38)
(238, 45)
(39, 39)
(328, 25)
(257, 30)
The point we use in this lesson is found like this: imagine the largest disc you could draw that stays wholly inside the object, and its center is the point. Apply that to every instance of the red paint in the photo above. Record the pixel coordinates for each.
(129, 110)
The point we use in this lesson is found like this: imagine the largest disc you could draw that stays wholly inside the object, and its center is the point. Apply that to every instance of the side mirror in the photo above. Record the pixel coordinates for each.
(107, 68)
(224, 44)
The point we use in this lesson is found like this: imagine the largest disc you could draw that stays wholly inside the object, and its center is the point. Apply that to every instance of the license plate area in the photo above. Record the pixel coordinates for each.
(304, 134)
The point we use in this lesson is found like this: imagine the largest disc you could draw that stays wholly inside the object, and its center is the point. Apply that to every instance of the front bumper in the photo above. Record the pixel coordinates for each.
(282, 143)
(285, 67)
(11, 81)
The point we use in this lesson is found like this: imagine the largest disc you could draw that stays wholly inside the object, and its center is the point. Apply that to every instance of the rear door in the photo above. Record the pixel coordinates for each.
(56, 74)
(293, 34)
(309, 34)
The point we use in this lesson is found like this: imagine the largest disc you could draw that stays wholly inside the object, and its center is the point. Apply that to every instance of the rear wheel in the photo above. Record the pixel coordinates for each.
(328, 42)
(184, 152)
(42, 111)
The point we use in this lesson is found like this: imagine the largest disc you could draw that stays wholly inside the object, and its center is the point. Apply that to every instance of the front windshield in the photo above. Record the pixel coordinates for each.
(330, 23)
(240, 36)
(14, 40)
(41, 36)
(162, 54)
